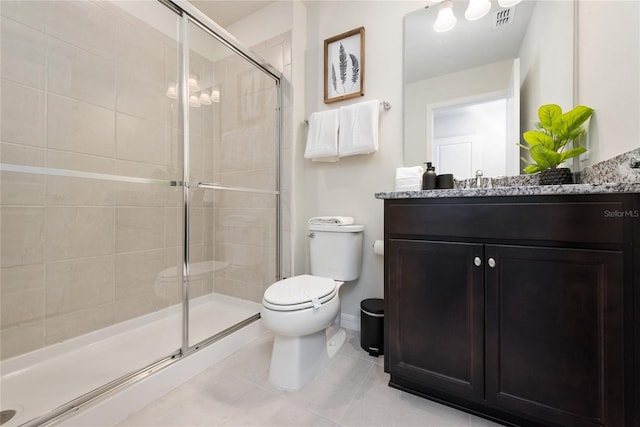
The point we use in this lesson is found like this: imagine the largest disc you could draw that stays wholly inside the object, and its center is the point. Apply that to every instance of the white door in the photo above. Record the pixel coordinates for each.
(458, 155)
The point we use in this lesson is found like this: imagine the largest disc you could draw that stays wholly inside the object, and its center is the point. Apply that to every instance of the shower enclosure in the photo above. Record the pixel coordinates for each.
(139, 191)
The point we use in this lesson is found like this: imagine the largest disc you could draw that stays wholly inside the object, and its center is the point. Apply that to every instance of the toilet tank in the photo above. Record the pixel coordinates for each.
(336, 251)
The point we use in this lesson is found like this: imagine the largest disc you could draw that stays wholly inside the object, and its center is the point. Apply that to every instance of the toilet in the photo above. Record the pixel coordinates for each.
(298, 310)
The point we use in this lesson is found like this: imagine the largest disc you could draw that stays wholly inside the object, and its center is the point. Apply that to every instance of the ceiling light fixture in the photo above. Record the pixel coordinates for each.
(477, 9)
(194, 101)
(194, 86)
(204, 98)
(172, 93)
(446, 20)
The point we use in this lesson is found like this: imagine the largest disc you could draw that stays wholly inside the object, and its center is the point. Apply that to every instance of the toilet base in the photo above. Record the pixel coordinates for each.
(297, 360)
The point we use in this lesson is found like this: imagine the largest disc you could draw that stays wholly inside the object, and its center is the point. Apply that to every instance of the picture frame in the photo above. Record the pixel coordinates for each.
(344, 66)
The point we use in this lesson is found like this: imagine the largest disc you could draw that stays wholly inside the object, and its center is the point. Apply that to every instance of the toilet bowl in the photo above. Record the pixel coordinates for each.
(300, 309)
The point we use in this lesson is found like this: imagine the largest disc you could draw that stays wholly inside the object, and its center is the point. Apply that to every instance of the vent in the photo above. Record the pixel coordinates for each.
(503, 17)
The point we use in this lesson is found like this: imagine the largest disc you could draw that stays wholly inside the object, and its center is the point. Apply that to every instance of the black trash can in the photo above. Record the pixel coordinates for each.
(372, 326)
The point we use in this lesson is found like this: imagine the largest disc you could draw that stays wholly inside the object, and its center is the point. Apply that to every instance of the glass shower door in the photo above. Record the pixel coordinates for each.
(91, 217)
(233, 185)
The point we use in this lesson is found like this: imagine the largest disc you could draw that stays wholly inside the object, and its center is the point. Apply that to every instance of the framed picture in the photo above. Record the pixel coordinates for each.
(344, 66)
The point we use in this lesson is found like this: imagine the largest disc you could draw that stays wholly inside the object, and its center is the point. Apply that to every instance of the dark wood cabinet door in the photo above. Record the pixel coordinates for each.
(554, 344)
(436, 315)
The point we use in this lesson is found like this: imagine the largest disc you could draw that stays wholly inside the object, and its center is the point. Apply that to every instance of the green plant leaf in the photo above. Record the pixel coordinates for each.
(548, 114)
(532, 169)
(554, 131)
(569, 125)
(536, 137)
(569, 154)
(544, 157)
(577, 116)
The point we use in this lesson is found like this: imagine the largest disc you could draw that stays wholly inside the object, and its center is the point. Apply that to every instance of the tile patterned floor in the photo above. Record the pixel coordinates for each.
(352, 391)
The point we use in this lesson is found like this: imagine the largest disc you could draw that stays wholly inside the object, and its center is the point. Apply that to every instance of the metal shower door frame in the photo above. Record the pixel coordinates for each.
(189, 14)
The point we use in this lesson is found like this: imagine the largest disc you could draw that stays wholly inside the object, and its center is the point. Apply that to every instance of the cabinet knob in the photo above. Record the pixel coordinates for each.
(477, 261)
(491, 262)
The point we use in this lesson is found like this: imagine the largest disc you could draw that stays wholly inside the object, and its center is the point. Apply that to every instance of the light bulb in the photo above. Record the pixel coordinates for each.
(215, 95)
(194, 101)
(172, 92)
(477, 9)
(204, 98)
(446, 20)
(508, 3)
(193, 84)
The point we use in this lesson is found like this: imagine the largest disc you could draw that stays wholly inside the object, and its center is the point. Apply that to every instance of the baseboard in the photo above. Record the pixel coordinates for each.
(349, 321)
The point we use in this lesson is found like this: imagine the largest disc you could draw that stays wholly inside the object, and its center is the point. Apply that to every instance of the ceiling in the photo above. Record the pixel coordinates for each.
(469, 44)
(226, 12)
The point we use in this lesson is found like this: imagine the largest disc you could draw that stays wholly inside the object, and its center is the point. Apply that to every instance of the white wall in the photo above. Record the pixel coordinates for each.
(608, 75)
(546, 60)
(489, 78)
(348, 187)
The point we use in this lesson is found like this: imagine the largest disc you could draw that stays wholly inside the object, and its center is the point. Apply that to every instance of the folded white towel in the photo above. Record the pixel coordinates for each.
(413, 171)
(405, 184)
(409, 178)
(331, 159)
(337, 220)
(408, 188)
(358, 128)
(412, 187)
(322, 138)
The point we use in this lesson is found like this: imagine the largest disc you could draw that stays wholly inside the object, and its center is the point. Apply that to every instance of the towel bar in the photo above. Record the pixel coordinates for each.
(385, 104)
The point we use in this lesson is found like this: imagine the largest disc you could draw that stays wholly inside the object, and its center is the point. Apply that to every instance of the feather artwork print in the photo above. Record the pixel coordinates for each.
(342, 59)
(344, 66)
(334, 80)
(355, 70)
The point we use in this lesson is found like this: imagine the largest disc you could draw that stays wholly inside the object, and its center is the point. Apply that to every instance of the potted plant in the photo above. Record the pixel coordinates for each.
(548, 143)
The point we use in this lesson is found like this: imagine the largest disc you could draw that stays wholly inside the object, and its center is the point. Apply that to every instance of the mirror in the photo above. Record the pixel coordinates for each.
(469, 93)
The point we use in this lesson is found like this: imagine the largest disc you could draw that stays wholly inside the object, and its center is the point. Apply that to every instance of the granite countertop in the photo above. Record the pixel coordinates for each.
(610, 176)
(529, 190)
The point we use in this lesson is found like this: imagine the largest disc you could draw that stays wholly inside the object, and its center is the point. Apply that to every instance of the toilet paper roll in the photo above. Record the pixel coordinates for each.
(378, 247)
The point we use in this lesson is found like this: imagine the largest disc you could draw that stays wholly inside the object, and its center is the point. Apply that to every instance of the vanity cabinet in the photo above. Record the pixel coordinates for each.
(519, 309)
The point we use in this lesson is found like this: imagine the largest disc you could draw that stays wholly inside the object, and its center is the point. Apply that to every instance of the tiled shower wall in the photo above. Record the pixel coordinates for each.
(245, 224)
(83, 89)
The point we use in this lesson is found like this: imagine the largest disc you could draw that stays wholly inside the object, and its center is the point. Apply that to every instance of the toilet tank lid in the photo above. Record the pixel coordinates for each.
(354, 228)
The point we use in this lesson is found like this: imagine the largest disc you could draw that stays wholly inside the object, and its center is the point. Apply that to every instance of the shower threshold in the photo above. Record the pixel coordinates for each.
(37, 383)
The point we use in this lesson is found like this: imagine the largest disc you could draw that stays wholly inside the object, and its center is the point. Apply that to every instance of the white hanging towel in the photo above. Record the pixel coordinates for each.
(359, 128)
(334, 220)
(322, 137)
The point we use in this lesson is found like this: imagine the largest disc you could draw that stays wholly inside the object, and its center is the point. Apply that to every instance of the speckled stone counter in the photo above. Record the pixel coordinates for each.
(611, 176)
(515, 191)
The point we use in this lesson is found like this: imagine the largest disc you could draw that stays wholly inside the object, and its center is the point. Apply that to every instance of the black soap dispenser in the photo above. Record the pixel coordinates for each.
(429, 177)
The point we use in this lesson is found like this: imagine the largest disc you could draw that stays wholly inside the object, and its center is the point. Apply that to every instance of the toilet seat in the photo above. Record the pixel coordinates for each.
(299, 293)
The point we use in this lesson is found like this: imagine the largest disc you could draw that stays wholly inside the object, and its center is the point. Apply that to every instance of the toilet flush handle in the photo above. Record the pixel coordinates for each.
(311, 235)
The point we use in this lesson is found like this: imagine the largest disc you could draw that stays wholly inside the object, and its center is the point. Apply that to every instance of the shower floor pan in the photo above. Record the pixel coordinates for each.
(38, 382)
